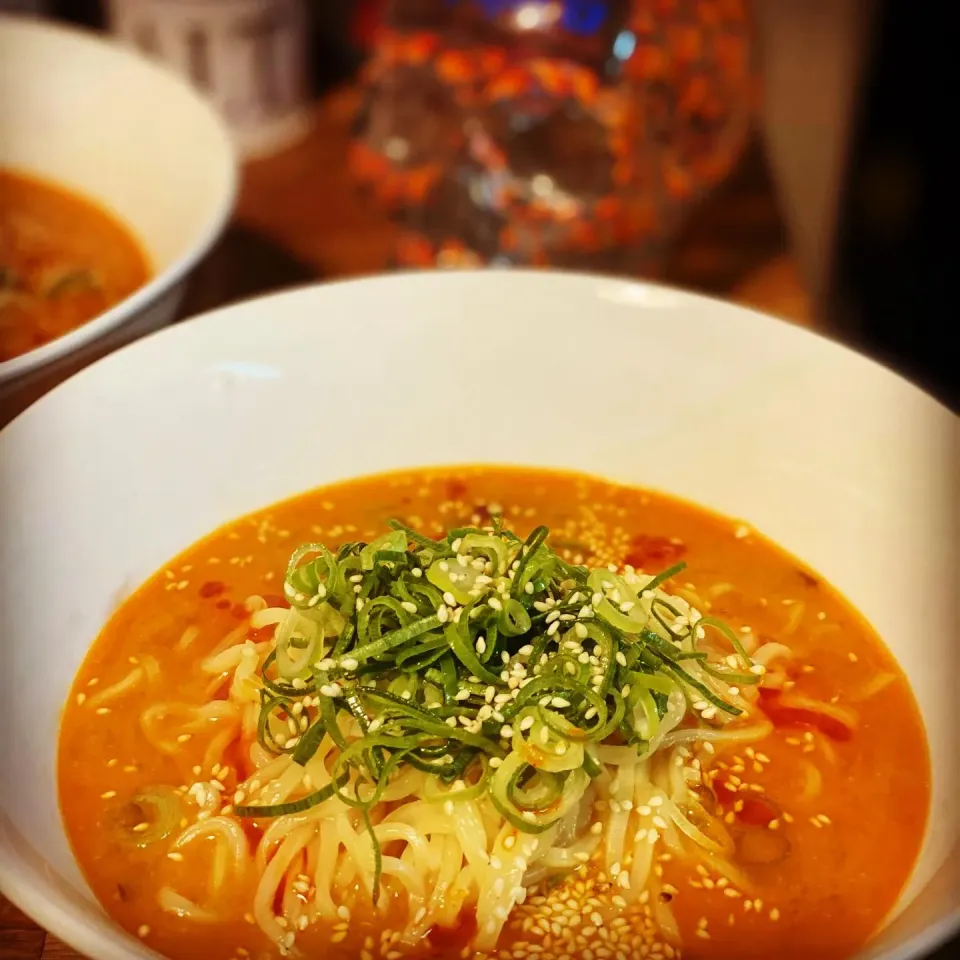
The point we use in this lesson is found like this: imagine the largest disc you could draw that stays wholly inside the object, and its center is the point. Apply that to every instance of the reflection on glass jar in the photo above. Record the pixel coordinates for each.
(573, 133)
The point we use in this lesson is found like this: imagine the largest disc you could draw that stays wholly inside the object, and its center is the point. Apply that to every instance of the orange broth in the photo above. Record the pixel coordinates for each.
(63, 261)
(839, 865)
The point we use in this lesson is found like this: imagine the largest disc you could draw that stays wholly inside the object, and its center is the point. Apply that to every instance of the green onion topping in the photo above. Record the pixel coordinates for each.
(485, 661)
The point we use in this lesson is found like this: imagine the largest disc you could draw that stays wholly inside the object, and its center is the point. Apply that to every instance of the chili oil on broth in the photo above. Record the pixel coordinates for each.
(809, 805)
(63, 261)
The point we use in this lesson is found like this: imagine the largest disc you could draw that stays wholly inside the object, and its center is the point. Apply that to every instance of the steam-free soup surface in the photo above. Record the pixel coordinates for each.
(827, 810)
(63, 261)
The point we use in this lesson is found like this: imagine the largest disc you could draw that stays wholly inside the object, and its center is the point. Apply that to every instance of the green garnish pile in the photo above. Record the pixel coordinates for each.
(484, 660)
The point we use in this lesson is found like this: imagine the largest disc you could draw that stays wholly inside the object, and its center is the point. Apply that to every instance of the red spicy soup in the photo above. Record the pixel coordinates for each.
(807, 804)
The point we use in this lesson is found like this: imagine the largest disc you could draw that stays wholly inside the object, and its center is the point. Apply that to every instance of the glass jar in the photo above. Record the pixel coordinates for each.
(541, 132)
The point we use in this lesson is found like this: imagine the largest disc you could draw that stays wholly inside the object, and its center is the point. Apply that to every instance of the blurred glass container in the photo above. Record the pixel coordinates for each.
(540, 132)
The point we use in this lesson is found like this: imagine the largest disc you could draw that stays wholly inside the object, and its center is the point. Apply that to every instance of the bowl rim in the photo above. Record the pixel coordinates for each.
(33, 361)
(827, 338)
(26, 888)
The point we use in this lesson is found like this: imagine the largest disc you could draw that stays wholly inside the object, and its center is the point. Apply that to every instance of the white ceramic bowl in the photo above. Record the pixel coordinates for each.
(832, 456)
(90, 115)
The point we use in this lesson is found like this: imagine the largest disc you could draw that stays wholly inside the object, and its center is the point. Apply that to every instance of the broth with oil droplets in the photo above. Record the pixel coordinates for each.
(806, 804)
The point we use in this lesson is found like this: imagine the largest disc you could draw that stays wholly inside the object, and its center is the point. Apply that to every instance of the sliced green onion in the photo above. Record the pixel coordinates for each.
(528, 821)
(663, 577)
(433, 794)
(265, 732)
(271, 810)
(394, 542)
(397, 637)
(491, 547)
(481, 659)
(525, 561)
(514, 621)
(459, 638)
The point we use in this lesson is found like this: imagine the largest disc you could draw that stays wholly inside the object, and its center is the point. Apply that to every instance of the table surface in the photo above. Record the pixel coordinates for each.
(299, 220)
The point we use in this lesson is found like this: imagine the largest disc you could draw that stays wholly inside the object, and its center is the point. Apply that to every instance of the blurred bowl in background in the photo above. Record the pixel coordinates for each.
(540, 133)
(107, 125)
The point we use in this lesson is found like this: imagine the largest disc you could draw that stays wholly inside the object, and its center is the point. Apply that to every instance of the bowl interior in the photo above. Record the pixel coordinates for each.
(117, 470)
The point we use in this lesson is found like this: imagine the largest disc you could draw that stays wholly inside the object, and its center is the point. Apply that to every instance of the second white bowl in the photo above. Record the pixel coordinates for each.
(96, 118)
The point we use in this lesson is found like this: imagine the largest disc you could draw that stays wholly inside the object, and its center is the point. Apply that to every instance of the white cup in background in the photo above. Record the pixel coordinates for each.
(247, 56)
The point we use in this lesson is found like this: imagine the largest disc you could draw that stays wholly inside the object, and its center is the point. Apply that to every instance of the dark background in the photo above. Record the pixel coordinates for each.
(897, 241)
